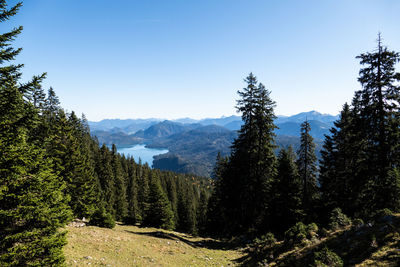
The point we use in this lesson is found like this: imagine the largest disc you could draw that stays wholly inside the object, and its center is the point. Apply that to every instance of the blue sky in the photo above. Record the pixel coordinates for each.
(173, 59)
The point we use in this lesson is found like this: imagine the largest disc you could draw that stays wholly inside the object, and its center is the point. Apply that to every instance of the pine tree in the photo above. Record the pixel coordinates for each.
(307, 166)
(143, 175)
(216, 218)
(159, 213)
(251, 168)
(339, 167)
(32, 206)
(379, 103)
(133, 212)
(287, 207)
(106, 179)
(120, 204)
(186, 211)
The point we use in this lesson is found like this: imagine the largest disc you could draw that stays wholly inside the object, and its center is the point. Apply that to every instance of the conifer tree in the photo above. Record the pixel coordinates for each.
(120, 204)
(251, 168)
(133, 212)
(186, 211)
(32, 206)
(379, 103)
(307, 166)
(143, 175)
(287, 207)
(159, 213)
(216, 218)
(106, 179)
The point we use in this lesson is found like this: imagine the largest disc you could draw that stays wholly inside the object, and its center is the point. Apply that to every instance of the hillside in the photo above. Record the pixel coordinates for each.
(134, 246)
(370, 244)
(374, 244)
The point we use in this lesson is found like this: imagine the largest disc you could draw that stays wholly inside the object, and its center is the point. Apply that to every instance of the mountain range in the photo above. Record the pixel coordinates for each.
(194, 144)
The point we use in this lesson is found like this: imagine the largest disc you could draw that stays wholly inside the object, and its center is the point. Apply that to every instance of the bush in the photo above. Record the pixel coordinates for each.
(312, 230)
(325, 257)
(265, 241)
(301, 234)
(102, 218)
(338, 219)
(296, 234)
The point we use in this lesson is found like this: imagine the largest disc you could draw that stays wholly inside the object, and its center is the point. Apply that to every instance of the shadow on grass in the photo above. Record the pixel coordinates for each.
(205, 243)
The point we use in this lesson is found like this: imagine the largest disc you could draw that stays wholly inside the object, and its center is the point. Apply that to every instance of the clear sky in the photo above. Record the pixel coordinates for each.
(181, 58)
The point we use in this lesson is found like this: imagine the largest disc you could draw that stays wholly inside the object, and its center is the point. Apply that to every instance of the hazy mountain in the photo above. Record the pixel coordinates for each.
(164, 129)
(127, 126)
(119, 138)
(318, 128)
(311, 115)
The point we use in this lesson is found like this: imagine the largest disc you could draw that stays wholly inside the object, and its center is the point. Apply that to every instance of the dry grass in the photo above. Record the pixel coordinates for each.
(134, 246)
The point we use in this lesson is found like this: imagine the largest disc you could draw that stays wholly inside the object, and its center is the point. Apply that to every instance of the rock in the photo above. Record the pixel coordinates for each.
(88, 258)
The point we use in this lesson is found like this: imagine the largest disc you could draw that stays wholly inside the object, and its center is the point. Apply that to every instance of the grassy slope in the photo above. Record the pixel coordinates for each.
(134, 246)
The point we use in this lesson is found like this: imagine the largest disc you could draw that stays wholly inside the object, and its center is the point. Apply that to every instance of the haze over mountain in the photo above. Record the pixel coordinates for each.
(194, 144)
(130, 126)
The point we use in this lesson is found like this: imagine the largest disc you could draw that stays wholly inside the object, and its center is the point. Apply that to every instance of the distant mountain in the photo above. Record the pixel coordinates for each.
(311, 115)
(220, 121)
(128, 126)
(119, 138)
(318, 129)
(164, 129)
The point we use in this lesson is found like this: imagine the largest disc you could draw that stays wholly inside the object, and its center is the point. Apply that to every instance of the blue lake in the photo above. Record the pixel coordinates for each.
(142, 152)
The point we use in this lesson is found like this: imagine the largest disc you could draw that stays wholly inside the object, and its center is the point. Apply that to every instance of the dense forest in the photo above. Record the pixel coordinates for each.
(52, 170)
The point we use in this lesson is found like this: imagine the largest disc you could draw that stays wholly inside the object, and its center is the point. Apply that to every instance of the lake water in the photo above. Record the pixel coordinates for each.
(140, 151)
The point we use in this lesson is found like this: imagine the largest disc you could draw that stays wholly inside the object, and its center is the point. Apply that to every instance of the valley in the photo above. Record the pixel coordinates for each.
(191, 146)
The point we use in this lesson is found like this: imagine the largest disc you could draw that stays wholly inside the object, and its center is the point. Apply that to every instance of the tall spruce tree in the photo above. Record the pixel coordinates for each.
(360, 160)
(159, 213)
(339, 167)
(120, 204)
(286, 207)
(307, 166)
(379, 103)
(32, 205)
(245, 194)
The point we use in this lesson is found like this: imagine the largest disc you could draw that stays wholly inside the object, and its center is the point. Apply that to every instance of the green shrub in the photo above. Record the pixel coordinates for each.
(338, 219)
(267, 240)
(312, 230)
(296, 234)
(325, 257)
(102, 218)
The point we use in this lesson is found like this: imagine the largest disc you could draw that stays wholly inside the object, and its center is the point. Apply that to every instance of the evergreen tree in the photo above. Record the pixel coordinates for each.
(7, 52)
(143, 183)
(251, 168)
(339, 167)
(216, 218)
(186, 211)
(32, 206)
(159, 213)
(307, 166)
(133, 212)
(106, 179)
(379, 113)
(120, 204)
(287, 207)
